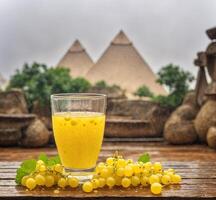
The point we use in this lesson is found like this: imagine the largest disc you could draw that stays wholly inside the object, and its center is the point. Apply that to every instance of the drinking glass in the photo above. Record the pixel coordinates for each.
(78, 123)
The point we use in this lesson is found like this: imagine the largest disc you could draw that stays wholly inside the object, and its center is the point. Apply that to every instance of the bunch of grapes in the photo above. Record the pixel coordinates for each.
(117, 171)
(48, 176)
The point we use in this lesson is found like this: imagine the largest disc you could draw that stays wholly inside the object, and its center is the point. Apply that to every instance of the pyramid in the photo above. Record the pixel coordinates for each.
(121, 64)
(77, 60)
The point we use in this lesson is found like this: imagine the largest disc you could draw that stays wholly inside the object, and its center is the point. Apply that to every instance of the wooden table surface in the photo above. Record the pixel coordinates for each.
(195, 163)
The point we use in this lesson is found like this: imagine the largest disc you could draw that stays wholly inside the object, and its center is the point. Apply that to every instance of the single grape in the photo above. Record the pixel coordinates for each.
(110, 181)
(99, 167)
(87, 186)
(104, 172)
(42, 168)
(128, 171)
(110, 160)
(30, 183)
(156, 188)
(23, 181)
(171, 170)
(176, 178)
(118, 180)
(153, 179)
(40, 162)
(165, 179)
(95, 183)
(144, 181)
(136, 168)
(129, 161)
(135, 181)
(120, 171)
(73, 182)
(49, 181)
(110, 170)
(102, 182)
(40, 179)
(62, 182)
(146, 172)
(126, 182)
(148, 165)
(157, 167)
(121, 162)
(58, 168)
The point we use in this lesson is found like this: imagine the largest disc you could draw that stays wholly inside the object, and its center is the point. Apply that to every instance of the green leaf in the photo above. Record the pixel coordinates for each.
(54, 160)
(26, 168)
(144, 158)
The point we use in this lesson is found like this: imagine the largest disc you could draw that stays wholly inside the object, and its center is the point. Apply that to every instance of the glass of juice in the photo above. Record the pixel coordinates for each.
(78, 123)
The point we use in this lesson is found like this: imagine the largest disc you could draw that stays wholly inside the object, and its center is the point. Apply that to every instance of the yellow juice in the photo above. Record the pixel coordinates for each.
(78, 136)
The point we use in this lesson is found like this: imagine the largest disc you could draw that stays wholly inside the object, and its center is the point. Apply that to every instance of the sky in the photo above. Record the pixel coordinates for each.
(163, 31)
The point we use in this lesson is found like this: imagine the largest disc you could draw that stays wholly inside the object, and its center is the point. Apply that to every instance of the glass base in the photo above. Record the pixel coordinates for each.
(81, 175)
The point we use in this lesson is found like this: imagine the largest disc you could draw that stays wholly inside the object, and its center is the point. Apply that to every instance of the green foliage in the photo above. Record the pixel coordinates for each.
(177, 81)
(143, 91)
(144, 158)
(39, 82)
(101, 84)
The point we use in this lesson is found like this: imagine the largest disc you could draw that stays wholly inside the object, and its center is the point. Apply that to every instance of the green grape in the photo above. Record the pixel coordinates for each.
(62, 182)
(58, 168)
(126, 182)
(120, 171)
(40, 180)
(102, 182)
(171, 170)
(153, 179)
(30, 183)
(49, 181)
(156, 188)
(129, 161)
(42, 168)
(110, 170)
(144, 181)
(95, 183)
(87, 186)
(176, 178)
(148, 165)
(157, 167)
(110, 181)
(165, 179)
(99, 167)
(110, 160)
(104, 172)
(136, 168)
(23, 181)
(73, 182)
(118, 180)
(121, 162)
(135, 181)
(128, 171)
(40, 162)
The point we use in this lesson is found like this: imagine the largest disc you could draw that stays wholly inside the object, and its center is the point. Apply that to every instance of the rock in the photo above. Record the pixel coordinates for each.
(205, 119)
(9, 137)
(15, 121)
(51, 138)
(211, 137)
(36, 135)
(13, 102)
(179, 128)
(190, 99)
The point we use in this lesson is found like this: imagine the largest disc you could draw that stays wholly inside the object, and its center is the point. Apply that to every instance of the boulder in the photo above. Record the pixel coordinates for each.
(36, 135)
(206, 118)
(9, 137)
(211, 137)
(179, 128)
(13, 102)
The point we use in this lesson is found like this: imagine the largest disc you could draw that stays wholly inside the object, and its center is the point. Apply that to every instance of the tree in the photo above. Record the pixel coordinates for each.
(177, 81)
(101, 84)
(39, 82)
(143, 91)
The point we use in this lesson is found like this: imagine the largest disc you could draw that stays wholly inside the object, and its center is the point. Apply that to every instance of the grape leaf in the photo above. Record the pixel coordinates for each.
(144, 158)
(25, 168)
(54, 160)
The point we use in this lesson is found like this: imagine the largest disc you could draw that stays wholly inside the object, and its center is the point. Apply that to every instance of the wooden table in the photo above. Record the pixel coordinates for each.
(195, 163)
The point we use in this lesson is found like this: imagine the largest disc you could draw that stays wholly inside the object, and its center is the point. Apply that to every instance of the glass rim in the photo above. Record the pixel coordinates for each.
(78, 96)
